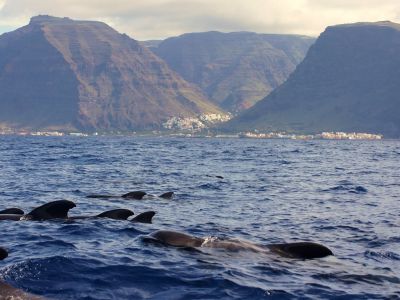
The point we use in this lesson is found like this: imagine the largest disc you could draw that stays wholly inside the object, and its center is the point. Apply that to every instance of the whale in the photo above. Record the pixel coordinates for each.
(115, 214)
(9, 292)
(134, 195)
(10, 217)
(12, 211)
(299, 250)
(59, 210)
(167, 195)
(11, 214)
(121, 214)
(137, 195)
(145, 217)
(3, 253)
(216, 176)
(52, 210)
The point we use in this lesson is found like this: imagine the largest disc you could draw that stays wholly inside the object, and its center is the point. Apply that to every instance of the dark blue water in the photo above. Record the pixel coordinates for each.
(344, 194)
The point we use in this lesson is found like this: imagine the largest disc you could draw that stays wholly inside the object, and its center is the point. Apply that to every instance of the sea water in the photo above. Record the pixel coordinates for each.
(343, 194)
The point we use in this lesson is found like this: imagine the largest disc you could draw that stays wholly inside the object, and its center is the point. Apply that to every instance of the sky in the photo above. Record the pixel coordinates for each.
(159, 19)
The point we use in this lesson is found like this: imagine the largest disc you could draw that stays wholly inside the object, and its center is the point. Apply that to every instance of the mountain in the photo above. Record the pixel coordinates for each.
(234, 69)
(151, 43)
(56, 73)
(349, 81)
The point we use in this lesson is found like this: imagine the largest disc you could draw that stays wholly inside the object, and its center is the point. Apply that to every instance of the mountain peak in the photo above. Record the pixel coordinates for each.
(349, 81)
(66, 74)
(386, 23)
(235, 69)
(47, 18)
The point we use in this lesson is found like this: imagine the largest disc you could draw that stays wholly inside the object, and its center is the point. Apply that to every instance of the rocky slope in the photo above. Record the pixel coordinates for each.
(234, 69)
(56, 73)
(349, 81)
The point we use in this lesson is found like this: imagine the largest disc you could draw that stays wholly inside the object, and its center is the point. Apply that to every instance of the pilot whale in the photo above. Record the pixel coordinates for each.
(12, 211)
(59, 210)
(3, 253)
(9, 292)
(135, 195)
(301, 250)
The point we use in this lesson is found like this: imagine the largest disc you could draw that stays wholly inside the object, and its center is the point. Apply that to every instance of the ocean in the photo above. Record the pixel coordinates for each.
(343, 194)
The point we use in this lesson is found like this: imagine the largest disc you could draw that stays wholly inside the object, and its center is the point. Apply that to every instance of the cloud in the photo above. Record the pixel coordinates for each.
(153, 19)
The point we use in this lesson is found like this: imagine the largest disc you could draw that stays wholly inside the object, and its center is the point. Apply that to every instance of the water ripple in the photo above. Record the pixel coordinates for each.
(264, 191)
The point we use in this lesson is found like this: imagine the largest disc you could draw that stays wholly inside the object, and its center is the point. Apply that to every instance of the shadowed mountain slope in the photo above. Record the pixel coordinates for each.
(234, 69)
(63, 74)
(349, 81)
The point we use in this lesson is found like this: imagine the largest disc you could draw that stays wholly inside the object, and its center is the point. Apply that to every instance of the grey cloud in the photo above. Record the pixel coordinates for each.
(162, 18)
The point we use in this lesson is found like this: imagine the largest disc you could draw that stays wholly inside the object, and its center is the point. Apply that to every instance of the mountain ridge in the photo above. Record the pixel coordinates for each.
(234, 69)
(349, 81)
(102, 80)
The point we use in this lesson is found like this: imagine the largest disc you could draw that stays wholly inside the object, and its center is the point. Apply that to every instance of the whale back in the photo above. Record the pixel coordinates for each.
(177, 239)
(302, 250)
(145, 217)
(12, 211)
(3, 253)
(9, 292)
(52, 210)
(168, 195)
(11, 217)
(95, 196)
(137, 195)
(116, 214)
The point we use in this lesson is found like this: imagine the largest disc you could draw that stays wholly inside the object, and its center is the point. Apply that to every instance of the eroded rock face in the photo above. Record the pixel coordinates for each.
(234, 69)
(56, 73)
(349, 81)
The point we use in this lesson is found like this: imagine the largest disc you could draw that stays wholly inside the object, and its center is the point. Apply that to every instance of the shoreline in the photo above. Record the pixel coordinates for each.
(260, 136)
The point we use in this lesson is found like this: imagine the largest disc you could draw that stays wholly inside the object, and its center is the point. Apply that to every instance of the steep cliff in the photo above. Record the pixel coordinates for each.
(63, 74)
(349, 81)
(234, 69)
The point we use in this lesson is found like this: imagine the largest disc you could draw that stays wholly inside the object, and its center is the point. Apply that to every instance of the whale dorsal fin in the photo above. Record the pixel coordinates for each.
(168, 195)
(95, 196)
(116, 214)
(303, 250)
(138, 195)
(3, 253)
(52, 210)
(12, 211)
(145, 217)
